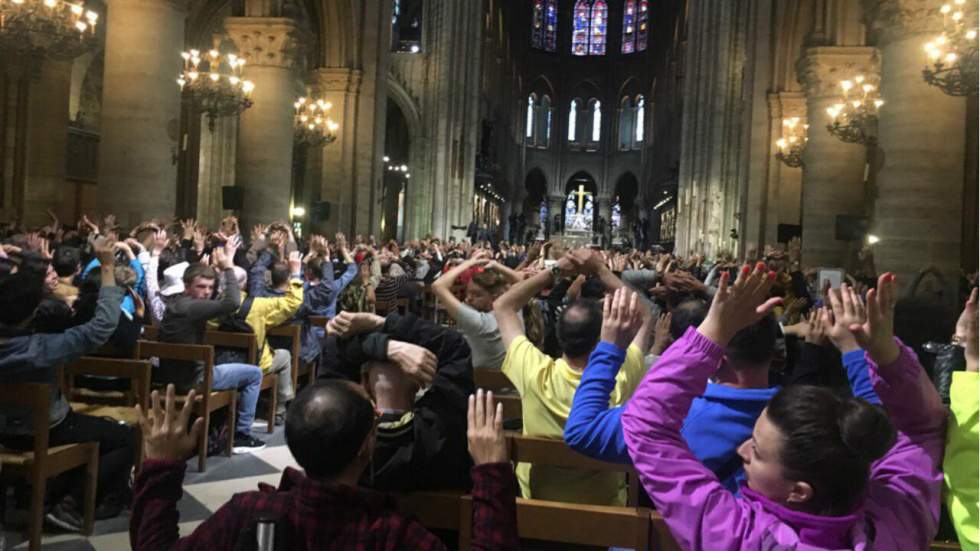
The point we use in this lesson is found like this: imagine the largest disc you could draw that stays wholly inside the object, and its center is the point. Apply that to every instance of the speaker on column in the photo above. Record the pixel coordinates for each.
(232, 198)
(850, 227)
(320, 212)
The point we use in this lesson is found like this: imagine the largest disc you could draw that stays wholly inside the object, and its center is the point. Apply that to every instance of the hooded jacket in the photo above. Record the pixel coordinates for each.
(37, 358)
(425, 448)
(901, 508)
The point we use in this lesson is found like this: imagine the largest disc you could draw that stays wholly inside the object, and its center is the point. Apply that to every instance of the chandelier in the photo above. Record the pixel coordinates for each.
(214, 84)
(854, 118)
(312, 126)
(793, 142)
(54, 28)
(952, 55)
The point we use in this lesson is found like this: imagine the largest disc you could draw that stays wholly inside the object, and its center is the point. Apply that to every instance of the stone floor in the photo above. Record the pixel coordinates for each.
(203, 494)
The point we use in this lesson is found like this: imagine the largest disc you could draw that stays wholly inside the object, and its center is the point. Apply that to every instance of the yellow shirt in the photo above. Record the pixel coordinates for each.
(547, 387)
(271, 312)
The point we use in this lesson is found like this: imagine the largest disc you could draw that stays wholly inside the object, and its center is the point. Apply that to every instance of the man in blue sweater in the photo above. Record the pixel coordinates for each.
(717, 423)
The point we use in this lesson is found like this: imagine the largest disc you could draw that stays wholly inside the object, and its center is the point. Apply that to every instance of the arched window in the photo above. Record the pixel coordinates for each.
(572, 120)
(597, 39)
(542, 132)
(641, 107)
(626, 121)
(580, 27)
(544, 24)
(629, 26)
(617, 214)
(635, 21)
(595, 109)
(589, 21)
(530, 117)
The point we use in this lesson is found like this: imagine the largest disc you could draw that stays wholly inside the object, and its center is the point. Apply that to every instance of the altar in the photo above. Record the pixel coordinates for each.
(579, 219)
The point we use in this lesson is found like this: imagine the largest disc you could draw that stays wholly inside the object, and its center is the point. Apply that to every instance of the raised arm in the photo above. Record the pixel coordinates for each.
(506, 307)
(694, 504)
(442, 287)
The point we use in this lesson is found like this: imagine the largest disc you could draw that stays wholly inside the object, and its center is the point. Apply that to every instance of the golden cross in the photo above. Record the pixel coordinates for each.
(582, 194)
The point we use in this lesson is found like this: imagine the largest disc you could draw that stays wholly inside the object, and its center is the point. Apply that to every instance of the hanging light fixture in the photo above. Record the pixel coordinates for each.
(214, 84)
(312, 127)
(53, 28)
(854, 118)
(793, 142)
(953, 55)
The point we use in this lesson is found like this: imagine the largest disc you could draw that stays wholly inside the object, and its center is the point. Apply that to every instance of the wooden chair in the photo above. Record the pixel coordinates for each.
(112, 404)
(492, 379)
(43, 462)
(294, 333)
(211, 400)
(248, 343)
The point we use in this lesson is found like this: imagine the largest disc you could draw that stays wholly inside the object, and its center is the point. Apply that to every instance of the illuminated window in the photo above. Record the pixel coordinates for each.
(596, 120)
(597, 34)
(543, 131)
(544, 24)
(530, 117)
(580, 29)
(537, 25)
(641, 107)
(642, 22)
(572, 120)
(629, 27)
(626, 126)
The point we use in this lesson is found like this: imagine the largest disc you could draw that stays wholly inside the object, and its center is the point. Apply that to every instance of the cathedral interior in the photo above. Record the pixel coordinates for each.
(704, 126)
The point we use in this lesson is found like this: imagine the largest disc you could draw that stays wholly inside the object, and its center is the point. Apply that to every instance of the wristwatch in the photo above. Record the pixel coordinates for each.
(555, 273)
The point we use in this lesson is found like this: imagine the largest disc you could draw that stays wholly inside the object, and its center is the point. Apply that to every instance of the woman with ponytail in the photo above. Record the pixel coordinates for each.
(822, 471)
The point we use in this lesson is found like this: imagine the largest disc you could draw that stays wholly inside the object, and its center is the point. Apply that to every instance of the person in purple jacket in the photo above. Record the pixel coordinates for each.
(822, 471)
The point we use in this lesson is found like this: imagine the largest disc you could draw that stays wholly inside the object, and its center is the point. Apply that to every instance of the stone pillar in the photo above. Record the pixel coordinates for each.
(264, 160)
(47, 142)
(834, 171)
(921, 135)
(216, 168)
(784, 199)
(556, 205)
(140, 109)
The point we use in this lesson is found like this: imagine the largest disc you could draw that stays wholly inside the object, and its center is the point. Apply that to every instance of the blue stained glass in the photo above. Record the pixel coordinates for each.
(597, 39)
(580, 29)
(551, 25)
(537, 25)
(641, 26)
(629, 27)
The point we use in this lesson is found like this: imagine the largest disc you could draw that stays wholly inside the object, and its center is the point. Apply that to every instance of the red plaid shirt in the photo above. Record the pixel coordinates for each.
(313, 515)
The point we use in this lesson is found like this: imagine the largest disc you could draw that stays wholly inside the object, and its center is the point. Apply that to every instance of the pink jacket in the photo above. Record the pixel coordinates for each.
(902, 504)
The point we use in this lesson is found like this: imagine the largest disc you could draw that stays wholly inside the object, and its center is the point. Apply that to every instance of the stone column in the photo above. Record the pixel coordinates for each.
(47, 142)
(784, 188)
(264, 160)
(921, 132)
(556, 205)
(140, 109)
(834, 171)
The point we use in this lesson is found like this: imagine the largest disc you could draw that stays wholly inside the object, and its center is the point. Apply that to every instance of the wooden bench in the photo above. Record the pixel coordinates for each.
(211, 400)
(112, 404)
(293, 332)
(248, 343)
(42, 462)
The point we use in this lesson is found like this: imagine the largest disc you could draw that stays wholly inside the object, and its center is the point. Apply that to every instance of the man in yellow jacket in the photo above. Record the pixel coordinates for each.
(960, 465)
(284, 300)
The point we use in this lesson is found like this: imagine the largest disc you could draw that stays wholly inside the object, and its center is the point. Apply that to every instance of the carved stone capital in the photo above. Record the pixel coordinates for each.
(786, 104)
(888, 20)
(336, 79)
(266, 41)
(821, 69)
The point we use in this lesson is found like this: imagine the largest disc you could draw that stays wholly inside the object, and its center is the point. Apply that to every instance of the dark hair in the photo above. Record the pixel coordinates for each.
(490, 281)
(754, 344)
(20, 295)
(198, 270)
(315, 267)
(279, 274)
(688, 313)
(829, 441)
(326, 424)
(66, 260)
(579, 327)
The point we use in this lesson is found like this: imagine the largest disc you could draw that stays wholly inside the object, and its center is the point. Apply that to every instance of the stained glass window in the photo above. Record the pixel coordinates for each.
(543, 132)
(642, 22)
(617, 215)
(597, 38)
(530, 117)
(537, 25)
(550, 25)
(629, 27)
(580, 28)
(572, 120)
(641, 106)
(596, 120)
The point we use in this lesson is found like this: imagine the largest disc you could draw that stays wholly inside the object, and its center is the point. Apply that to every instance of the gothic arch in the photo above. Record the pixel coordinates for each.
(341, 45)
(410, 108)
(630, 87)
(541, 85)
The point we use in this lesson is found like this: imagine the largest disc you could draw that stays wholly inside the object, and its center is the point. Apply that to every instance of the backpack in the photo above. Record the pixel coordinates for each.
(234, 323)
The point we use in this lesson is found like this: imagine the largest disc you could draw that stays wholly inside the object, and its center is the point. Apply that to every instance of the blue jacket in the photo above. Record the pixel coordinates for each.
(717, 423)
(128, 305)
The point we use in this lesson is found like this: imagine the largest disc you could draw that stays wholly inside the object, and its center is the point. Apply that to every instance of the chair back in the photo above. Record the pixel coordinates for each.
(137, 371)
(37, 397)
(181, 352)
(228, 339)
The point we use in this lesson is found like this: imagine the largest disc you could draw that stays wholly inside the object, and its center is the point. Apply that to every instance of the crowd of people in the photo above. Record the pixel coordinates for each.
(762, 406)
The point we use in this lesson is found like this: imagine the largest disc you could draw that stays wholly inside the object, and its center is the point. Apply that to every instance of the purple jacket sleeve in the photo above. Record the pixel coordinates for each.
(906, 484)
(699, 511)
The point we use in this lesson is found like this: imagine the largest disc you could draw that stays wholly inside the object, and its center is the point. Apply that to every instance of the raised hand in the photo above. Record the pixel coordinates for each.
(295, 262)
(848, 310)
(877, 333)
(661, 334)
(106, 253)
(346, 324)
(817, 325)
(159, 242)
(485, 429)
(739, 305)
(621, 318)
(109, 222)
(227, 258)
(165, 434)
(414, 360)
